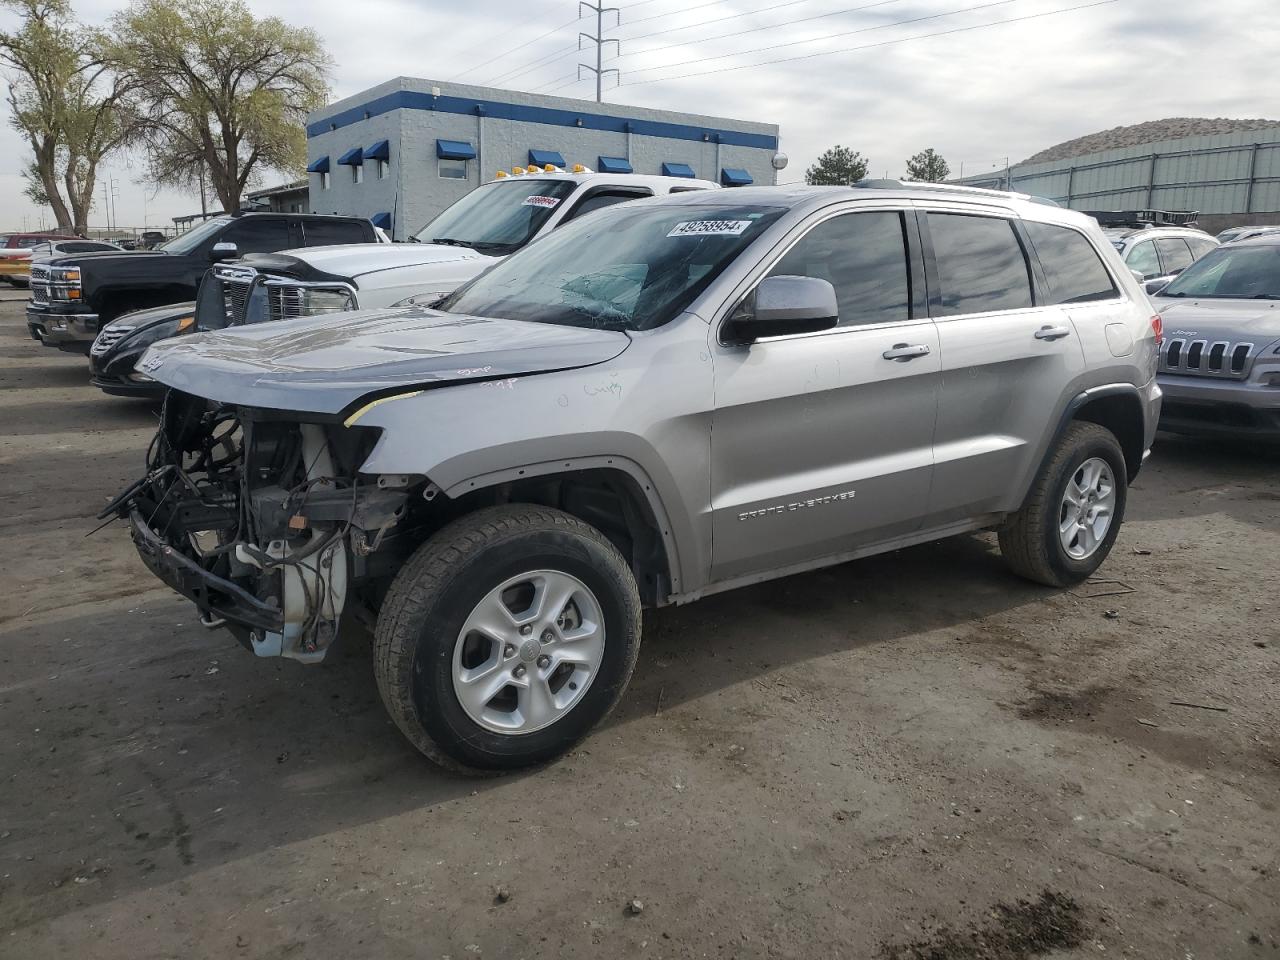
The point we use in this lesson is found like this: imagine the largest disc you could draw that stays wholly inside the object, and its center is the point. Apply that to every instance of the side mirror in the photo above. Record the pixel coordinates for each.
(223, 250)
(785, 305)
(1139, 276)
(1155, 286)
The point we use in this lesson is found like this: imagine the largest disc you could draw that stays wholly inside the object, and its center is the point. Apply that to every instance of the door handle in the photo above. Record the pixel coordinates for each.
(902, 352)
(1053, 333)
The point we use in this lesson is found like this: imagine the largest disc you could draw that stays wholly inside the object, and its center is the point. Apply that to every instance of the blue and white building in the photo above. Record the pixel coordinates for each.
(404, 150)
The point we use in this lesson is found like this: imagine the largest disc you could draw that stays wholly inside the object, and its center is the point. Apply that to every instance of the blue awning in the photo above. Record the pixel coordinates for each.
(613, 165)
(455, 150)
(382, 220)
(677, 170)
(353, 157)
(379, 151)
(319, 166)
(734, 177)
(540, 158)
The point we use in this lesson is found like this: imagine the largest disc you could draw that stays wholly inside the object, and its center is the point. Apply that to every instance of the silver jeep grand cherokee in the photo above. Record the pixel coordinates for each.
(657, 402)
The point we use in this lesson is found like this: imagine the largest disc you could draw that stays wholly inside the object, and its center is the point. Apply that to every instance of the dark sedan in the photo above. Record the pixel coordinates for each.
(121, 343)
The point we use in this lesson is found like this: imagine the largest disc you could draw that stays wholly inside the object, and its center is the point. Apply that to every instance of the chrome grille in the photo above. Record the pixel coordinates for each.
(1207, 358)
(39, 284)
(235, 294)
(107, 339)
(284, 302)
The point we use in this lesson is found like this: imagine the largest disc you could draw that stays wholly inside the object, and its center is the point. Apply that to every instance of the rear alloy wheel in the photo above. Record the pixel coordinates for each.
(507, 637)
(1072, 516)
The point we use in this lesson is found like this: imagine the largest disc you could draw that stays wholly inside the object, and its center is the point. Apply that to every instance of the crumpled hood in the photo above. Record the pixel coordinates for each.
(1235, 321)
(323, 364)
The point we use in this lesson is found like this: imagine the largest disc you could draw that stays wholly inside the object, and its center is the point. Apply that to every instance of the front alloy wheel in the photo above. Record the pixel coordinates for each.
(528, 653)
(507, 637)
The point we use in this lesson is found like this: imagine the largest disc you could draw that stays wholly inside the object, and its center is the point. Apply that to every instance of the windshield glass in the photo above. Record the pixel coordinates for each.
(630, 268)
(499, 217)
(188, 241)
(1237, 272)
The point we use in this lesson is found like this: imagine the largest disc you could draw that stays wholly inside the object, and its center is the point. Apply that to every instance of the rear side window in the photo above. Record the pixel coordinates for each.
(259, 235)
(1200, 247)
(1071, 266)
(862, 255)
(981, 266)
(1175, 254)
(324, 233)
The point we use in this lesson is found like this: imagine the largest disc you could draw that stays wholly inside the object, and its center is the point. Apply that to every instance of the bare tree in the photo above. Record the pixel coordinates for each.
(71, 108)
(224, 93)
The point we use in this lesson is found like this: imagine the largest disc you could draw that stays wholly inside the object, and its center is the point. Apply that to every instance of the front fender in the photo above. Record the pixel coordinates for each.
(647, 413)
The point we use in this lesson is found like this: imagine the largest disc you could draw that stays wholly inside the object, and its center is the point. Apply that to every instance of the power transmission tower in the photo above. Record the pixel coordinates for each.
(600, 40)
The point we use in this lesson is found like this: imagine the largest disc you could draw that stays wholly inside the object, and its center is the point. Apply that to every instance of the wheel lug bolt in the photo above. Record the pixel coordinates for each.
(519, 671)
(509, 650)
(548, 637)
(544, 661)
(526, 630)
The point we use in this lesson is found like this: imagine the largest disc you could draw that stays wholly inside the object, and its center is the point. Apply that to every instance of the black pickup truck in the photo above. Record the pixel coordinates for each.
(73, 297)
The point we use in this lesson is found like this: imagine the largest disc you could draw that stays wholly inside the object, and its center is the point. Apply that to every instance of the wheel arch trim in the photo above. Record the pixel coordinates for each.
(647, 489)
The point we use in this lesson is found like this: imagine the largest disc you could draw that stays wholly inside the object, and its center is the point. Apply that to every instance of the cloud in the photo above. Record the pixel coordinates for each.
(977, 96)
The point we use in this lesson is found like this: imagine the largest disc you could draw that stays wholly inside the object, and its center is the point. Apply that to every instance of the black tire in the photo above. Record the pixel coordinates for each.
(1030, 542)
(434, 593)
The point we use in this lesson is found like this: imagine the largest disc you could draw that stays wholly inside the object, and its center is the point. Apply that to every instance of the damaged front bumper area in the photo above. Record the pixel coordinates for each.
(264, 522)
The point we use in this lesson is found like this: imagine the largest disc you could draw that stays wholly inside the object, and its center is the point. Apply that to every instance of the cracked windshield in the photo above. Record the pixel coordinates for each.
(631, 270)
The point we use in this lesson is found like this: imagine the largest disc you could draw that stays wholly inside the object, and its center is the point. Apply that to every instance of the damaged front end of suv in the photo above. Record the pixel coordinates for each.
(264, 521)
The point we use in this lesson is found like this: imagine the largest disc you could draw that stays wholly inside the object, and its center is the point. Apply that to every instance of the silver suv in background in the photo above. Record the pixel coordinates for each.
(1156, 244)
(659, 401)
(1220, 364)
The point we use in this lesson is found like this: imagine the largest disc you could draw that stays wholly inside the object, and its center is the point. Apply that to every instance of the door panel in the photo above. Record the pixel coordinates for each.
(820, 445)
(1003, 371)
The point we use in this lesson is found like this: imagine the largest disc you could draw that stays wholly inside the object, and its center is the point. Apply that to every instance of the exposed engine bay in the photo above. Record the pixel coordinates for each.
(265, 522)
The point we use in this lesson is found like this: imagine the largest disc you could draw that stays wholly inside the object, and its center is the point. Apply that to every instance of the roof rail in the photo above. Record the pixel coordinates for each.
(1144, 218)
(890, 184)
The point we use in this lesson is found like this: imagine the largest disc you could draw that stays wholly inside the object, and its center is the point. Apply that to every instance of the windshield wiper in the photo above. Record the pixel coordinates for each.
(452, 242)
(1266, 296)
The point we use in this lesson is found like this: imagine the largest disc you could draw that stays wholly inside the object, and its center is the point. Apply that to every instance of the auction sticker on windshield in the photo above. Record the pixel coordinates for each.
(540, 201)
(709, 228)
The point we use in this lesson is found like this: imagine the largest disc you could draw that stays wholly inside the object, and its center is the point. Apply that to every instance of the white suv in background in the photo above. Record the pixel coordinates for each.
(1155, 244)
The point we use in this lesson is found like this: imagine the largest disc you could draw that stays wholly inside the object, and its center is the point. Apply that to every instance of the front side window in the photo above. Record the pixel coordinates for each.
(633, 270)
(498, 217)
(981, 266)
(607, 198)
(1142, 258)
(187, 242)
(1175, 254)
(1071, 266)
(1231, 272)
(864, 257)
(258, 235)
(453, 169)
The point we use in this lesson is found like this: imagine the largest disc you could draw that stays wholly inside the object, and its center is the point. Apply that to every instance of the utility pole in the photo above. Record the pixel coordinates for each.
(600, 40)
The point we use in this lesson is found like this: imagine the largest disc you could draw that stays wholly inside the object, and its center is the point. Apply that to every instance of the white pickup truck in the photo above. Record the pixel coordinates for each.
(485, 226)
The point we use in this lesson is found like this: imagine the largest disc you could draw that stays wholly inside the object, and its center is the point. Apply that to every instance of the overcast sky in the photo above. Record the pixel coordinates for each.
(976, 95)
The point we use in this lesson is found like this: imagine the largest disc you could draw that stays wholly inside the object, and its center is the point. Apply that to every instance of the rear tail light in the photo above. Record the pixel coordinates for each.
(1157, 327)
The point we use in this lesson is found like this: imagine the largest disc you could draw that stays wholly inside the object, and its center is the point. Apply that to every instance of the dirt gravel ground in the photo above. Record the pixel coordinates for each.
(910, 756)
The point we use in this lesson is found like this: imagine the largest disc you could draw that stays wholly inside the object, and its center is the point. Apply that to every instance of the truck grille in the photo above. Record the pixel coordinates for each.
(284, 302)
(1207, 358)
(39, 284)
(235, 297)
